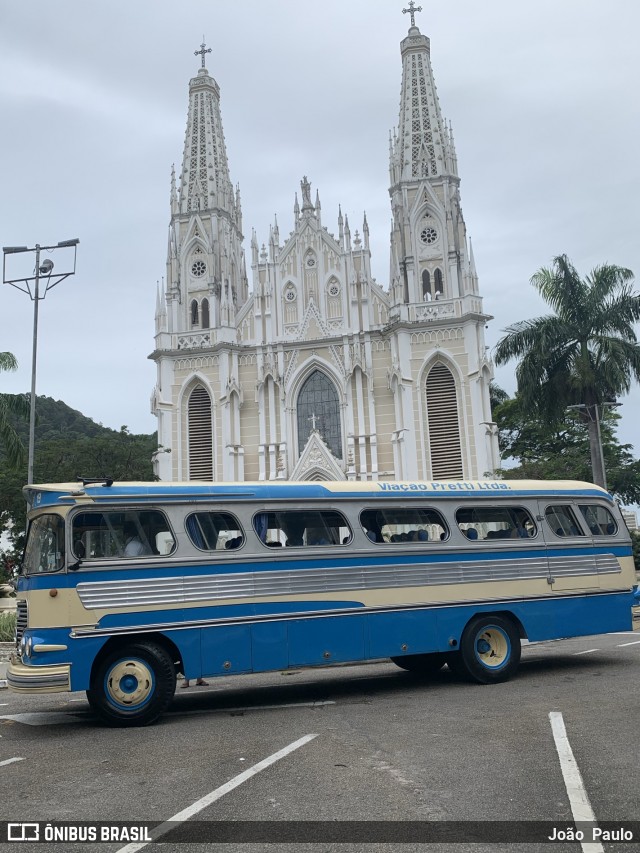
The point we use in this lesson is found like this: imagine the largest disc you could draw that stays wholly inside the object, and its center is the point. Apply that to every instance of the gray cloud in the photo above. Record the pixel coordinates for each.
(93, 98)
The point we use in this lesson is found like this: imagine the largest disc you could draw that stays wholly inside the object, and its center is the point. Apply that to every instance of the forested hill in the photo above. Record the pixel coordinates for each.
(54, 419)
(69, 445)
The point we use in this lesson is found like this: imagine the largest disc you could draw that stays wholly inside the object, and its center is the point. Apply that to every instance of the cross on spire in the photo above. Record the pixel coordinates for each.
(313, 420)
(204, 50)
(410, 11)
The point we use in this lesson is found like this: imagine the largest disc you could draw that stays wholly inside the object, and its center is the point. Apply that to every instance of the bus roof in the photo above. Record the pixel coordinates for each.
(132, 492)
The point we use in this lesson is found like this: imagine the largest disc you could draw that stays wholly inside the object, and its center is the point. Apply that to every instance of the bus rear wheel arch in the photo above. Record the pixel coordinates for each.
(489, 651)
(132, 684)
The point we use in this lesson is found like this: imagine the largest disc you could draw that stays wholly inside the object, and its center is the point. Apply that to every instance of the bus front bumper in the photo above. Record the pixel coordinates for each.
(54, 678)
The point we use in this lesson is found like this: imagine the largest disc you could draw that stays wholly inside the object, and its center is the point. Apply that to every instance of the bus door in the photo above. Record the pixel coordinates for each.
(605, 535)
(572, 563)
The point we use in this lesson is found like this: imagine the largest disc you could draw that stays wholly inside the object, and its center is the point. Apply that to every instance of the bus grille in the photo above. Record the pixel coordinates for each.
(21, 619)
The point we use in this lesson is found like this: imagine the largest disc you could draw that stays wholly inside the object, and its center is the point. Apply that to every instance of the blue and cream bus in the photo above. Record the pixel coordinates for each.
(125, 585)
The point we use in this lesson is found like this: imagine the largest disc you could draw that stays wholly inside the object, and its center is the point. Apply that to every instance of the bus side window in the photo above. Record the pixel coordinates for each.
(599, 520)
(214, 531)
(562, 520)
(415, 525)
(494, 523)
(297, 529)
(114, 535)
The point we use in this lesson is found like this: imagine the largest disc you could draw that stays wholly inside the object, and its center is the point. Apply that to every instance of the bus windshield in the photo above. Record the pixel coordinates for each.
(44, 551)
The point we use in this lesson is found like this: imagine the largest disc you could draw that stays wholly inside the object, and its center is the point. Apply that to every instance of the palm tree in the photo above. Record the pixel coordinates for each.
(11, 404)
(585, 354)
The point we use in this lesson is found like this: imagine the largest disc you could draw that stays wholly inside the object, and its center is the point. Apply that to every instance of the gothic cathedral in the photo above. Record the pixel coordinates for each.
(317, 371)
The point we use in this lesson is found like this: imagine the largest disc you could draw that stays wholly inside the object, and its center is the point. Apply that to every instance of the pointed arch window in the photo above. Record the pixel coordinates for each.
(204, 313)
(426, 285)
(194, 313)
(319, 405)
(445, 448)
(200, 430)
(437, 277)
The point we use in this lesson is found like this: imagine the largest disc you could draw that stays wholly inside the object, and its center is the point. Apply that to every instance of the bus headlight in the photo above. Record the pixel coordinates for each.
(26, 646)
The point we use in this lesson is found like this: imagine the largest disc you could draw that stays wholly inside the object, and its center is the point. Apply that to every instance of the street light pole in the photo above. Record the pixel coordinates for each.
(42, 270)
(34, 359)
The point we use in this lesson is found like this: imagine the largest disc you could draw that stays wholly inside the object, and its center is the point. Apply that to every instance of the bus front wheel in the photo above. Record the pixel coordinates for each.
(427, 664)
(133, 685)
(489, 650)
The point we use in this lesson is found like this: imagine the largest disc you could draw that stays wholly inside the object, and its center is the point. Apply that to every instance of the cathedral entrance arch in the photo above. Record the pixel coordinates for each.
(318, 408)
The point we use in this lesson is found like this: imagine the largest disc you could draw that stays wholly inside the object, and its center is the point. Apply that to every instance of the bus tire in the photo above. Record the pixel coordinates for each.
(489, 650)
(427, 664)
(133, 685)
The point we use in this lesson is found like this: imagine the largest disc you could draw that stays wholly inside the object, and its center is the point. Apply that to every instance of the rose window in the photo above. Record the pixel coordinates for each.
(428, 236)
(198, 269)
(290, 295)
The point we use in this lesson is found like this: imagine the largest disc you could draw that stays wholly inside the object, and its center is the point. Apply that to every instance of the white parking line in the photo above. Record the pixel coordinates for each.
(201, 804)
(10, 761)
(634, 643)
(578, 797)
(586, 652)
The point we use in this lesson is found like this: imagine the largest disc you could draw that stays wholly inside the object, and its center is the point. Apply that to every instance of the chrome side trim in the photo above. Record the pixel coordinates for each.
(49, 647)
(97, 595)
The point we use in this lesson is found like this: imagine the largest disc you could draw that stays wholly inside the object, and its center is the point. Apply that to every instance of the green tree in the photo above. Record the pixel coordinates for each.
(543, 450)
(69, 445)
(11, 405)
(584, 355)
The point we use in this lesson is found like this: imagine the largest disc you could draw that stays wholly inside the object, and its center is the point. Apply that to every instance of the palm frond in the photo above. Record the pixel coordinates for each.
(8, 361)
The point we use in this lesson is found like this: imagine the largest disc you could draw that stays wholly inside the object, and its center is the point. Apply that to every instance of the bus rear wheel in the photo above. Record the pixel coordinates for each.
(133, 685)
(427, 664)
(489, 650)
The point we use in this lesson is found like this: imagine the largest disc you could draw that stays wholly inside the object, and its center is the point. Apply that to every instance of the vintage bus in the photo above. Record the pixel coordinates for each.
(125, 585)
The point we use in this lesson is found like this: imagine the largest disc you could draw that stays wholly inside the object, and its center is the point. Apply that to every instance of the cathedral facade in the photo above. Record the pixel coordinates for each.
(314, 370)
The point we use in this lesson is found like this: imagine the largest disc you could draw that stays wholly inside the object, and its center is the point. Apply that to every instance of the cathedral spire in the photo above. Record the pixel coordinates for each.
(422, 132)
(205, 183)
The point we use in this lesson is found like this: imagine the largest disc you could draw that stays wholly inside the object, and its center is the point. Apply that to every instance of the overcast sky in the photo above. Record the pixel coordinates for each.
(93, 104)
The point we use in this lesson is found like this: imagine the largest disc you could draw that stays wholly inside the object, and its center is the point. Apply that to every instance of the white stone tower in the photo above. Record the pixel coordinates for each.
(433, 278)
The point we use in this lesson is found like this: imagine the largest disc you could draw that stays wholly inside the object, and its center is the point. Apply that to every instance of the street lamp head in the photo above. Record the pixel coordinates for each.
(13, 250)
(46, 267)
(73, 242)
